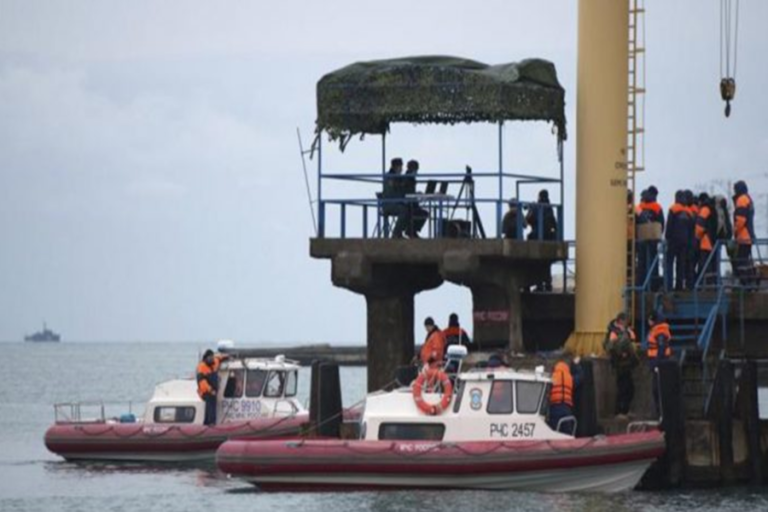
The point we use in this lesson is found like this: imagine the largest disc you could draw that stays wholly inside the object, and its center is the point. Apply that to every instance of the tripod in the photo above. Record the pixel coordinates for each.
(467, 190)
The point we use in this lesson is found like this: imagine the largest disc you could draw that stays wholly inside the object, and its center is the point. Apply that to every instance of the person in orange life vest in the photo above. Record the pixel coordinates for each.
(706, 231)
(659, 349)
(678, 237)
(621, 345)
(208, 383)
(743, 231)
(432, 351)
(454, 334)
(565, 379)
(693, 244)
(649, 221)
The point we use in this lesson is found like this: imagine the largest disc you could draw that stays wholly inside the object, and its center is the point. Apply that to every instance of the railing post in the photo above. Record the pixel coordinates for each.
(320, 206)
(365, 221)
(501, 179)
(343, 220)
(321, 219)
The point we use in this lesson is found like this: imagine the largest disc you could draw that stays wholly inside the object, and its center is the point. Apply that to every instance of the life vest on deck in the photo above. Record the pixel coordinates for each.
(562, 385)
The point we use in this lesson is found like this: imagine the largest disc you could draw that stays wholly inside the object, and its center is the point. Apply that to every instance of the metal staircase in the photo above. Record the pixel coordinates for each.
(692, 319)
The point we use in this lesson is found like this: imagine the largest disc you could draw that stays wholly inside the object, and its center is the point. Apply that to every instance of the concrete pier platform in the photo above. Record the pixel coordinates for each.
(390, 272)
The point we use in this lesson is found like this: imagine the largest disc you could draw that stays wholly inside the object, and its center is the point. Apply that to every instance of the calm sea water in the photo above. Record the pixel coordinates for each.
(31, 478)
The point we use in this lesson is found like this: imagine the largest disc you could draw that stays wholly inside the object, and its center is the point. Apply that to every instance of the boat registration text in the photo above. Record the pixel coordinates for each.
(512, 430)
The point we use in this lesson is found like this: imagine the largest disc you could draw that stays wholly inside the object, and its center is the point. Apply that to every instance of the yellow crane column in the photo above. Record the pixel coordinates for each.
(601, 176)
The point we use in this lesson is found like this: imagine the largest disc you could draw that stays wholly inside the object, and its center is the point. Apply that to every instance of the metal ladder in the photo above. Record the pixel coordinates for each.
(635, 128)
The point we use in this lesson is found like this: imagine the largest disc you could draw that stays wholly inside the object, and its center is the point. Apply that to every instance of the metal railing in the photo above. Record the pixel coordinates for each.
(446, 213)
(724, 275)
(87, 411)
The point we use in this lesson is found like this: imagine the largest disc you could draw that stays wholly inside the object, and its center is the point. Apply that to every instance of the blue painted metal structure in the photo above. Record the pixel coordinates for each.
(363, 209)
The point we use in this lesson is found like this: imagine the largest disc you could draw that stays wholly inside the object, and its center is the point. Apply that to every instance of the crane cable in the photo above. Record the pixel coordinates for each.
(729, 38)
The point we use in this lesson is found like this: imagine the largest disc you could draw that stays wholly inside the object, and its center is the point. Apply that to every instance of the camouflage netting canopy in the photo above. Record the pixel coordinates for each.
(366, 97)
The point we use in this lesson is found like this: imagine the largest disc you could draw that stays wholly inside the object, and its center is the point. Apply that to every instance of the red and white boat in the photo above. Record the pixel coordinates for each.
(257, 400)
(492, 435)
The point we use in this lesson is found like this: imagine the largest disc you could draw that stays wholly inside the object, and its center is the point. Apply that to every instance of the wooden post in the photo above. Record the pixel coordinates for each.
(750, 417)
(724, 392)
(586, 407)
(673, 423)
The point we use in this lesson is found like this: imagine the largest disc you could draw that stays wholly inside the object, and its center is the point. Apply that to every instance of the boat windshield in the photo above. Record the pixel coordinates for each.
(291, 384)
(235, 384)
(528, 396)
(275, 384)
(254, 382)
(500, 401)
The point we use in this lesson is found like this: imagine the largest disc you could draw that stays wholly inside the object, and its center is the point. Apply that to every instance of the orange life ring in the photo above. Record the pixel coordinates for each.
(432, 375)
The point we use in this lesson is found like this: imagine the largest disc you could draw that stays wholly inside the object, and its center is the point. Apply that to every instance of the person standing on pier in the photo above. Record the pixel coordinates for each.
(650, 225)
(743, 231)
(208, 383)
(621, 346)
(706, 230)
(434, 345)
(678, 236)
(659, 349)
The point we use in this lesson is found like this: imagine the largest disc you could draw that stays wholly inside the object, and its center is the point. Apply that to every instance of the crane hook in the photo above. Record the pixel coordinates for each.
(728, 92)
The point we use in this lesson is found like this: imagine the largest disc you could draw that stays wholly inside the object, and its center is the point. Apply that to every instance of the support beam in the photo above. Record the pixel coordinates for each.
(390, 336)
(601, 181)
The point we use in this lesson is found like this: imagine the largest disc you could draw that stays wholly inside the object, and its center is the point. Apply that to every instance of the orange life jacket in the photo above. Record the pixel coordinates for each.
(204, 377)
(562, 385)
(705, 243)
(741, 215)
(662, 328)
(433, 348)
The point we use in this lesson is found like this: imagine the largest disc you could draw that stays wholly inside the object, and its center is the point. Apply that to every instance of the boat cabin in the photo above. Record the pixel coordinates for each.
(499, 404)
(249, 388)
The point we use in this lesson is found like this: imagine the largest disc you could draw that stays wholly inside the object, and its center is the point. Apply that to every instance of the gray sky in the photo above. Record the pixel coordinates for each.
(150, 184)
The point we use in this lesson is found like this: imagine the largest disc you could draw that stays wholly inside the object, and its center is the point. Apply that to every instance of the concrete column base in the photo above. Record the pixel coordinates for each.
(390, 336)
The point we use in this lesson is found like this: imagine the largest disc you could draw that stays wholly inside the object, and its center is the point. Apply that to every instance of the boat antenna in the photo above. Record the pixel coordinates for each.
(303, 152)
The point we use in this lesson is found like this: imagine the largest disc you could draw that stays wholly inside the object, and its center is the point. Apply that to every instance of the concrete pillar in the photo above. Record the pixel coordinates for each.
(497, 311)
(390, 336)
(389, 291)
(601, 176)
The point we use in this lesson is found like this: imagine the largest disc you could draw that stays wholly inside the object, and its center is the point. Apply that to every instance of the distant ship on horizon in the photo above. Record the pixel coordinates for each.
(45, 335)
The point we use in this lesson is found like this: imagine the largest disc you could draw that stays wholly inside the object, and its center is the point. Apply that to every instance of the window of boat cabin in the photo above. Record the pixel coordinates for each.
(528, 396)
(500, 399)
(291, 383)
(235, 384)
(174, 414)
(254, 382)
(275, 384)
(411, 431)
